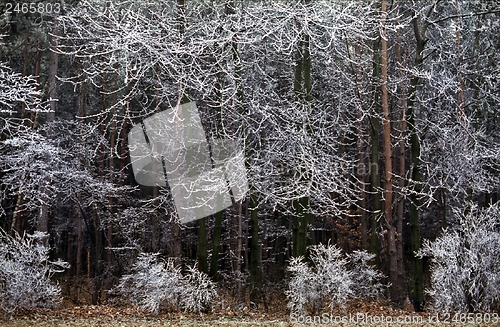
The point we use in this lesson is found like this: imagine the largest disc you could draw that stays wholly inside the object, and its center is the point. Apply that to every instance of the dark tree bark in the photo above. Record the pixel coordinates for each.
(402, 159)
(255, 253)
(302, 90)
(202, 245)
(418, 290)
(376, 205)
(396, 289)
(43, 217)
(214, 265)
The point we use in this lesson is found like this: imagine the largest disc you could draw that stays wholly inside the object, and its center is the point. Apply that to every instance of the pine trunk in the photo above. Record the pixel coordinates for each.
(43, 218)
(396, 288)
(415, 242)
(255, 255)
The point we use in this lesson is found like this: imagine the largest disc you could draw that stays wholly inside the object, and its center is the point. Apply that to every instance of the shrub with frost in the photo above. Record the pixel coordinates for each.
(199, 291)
(25, 273)
(302, 288)
(154, 284)
(465, 263)
(333, 279)
(151, 283)
(366, 279)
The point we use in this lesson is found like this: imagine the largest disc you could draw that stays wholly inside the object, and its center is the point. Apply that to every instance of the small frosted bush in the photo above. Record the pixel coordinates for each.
(302, 288)
(25, 273)
(465, 263)
(154, 283)
(366, 279)
(333, 279)
(199, 291)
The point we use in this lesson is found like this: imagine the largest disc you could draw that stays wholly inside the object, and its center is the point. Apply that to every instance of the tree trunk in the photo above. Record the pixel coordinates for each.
(402, 160)
(43, 217)
(96, 231)
(396, 288)
(361, 171)
(175, 250)
(111, 211)
(236, 246)
(176, 243)
(418, 292)
(79, 251)
(302, 90)
(255, 255)
(202, 245)
(214, 265)
(375, 153)
(97, 257)
(37, 74)
(79, 219)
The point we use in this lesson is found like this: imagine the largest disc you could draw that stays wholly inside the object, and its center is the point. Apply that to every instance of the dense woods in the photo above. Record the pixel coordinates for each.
(366, 125)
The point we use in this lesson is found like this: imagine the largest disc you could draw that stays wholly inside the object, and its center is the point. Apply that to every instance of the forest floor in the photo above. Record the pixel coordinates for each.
(361, 314)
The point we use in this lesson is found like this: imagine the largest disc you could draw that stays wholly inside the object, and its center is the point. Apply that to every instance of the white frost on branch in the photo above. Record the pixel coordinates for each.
(17, 89)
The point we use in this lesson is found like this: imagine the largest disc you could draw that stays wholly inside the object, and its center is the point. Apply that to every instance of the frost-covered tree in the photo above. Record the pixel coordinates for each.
(333, 279)
(26, 272)
(465, 274)
(459, 138)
